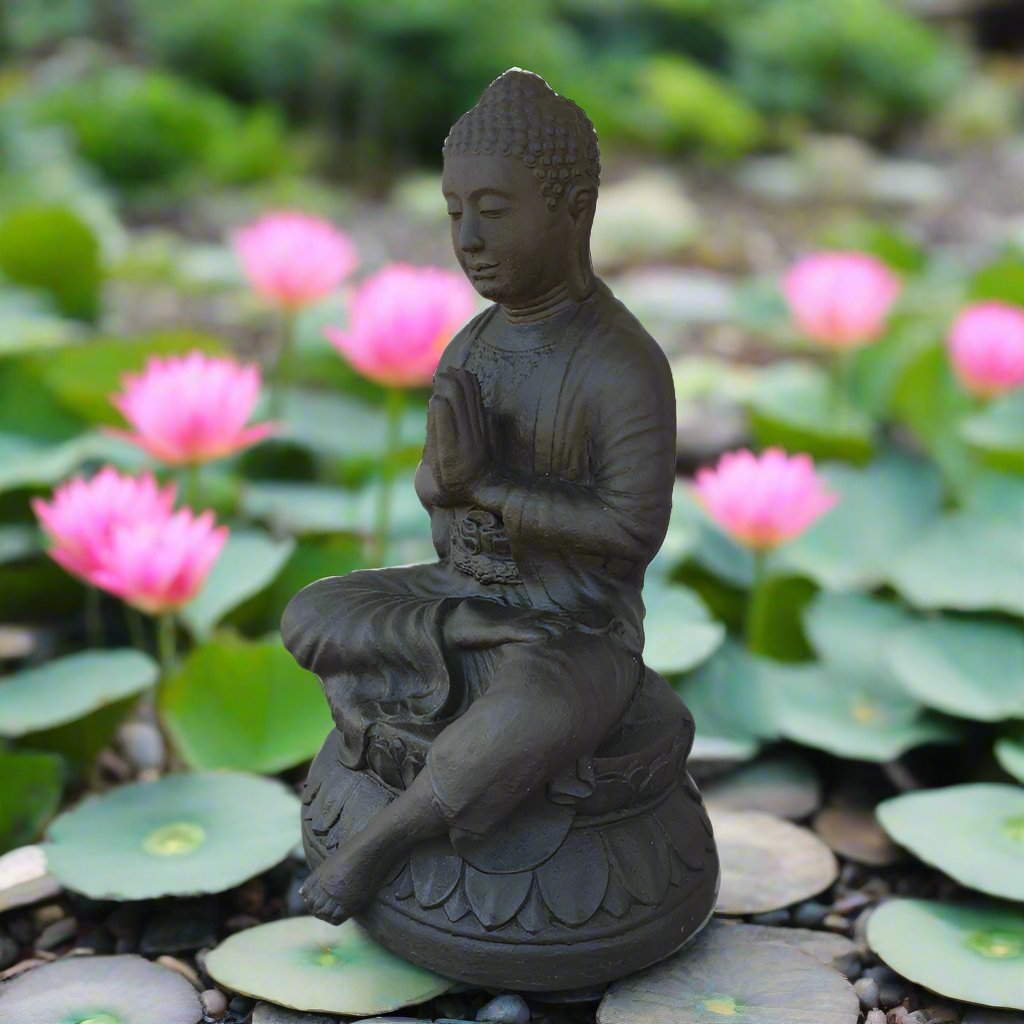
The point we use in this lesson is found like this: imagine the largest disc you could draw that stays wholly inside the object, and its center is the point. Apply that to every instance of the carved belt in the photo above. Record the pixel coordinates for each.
(480, 547)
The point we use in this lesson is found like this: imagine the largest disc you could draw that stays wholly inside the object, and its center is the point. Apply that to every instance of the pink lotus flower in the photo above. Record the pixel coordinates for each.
(764, 501)
(191, 409)
(294, 259)
(986, 348)
(160, 564)
(400, 321)
(83, 515)
(840, 299)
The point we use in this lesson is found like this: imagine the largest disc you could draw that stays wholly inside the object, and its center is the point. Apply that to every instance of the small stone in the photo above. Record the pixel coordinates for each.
(837, 923)
(215, 1003)
(849, 965)
(241, 1005)
(142, 744)
(809, 914)
(47, 914)
(896, 1015)
(268, 1013)
(943, 1013)
(892, 993)
(24, 879)
(867, 992)
(875, 1017)
(917, 1017)
(510, 1008)
(188, 972)
(9, 950)
(773, 918)
(852, 902)
(22, 929)
(57, 933)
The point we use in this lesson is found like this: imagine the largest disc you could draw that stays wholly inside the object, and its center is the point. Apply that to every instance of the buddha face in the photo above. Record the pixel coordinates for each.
(510, 245)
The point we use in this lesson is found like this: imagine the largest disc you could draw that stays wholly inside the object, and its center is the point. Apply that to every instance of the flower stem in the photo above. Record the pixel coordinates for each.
(167, 642)
(192, 486)
(757, 605)
(842, 365)
(281, 372)
(394, 403)
(136, 627)
(93, 617)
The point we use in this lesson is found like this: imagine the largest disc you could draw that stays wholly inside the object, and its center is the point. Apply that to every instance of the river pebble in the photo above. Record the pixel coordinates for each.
(867, 992)
(215, 1003)
(510, 1008)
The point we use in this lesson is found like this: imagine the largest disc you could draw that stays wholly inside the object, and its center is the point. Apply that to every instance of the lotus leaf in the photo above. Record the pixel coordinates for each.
(182, 835)
(307, 964)
(974, 953)
(974, 833)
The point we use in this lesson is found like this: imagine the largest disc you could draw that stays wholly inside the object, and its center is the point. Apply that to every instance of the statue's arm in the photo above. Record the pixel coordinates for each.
(622, 511)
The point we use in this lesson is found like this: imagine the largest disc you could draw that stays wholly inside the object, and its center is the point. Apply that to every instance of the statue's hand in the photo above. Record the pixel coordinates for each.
(478, 622)
(458, 439)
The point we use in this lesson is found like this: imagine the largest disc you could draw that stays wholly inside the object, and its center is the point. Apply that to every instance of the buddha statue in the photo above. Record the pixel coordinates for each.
(505, 798)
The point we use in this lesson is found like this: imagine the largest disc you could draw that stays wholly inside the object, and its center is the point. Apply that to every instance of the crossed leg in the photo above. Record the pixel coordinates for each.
(549, 703)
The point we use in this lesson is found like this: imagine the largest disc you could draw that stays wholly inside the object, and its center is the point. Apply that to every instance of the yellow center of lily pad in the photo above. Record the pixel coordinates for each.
(997, 945)
(865, 712)
(1014, 828)
(103, 1018)
(328, 957)
(175, 839)
(725, 1005)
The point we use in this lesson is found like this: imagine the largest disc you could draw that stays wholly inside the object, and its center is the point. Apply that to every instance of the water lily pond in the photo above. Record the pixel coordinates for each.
(226, 279)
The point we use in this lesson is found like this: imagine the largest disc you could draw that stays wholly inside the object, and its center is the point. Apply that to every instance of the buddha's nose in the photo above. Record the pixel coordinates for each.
(470, 239)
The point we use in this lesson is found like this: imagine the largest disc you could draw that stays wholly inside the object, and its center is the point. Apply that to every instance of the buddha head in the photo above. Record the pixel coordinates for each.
(521, 173)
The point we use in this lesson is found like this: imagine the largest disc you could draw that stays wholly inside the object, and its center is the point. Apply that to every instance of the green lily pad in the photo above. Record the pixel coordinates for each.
(784, 785)
(249, 561)
(679, 632)
(897, 495)
(862, 717)
(340, 426)
(67, 689)
(768, 863)
(962, 667)
(248, 706)
(996, 496)
(1010, 755)
(794, 407)
(732, 971)
(51, 248)
(308, 509)
(29, 797)
(973, 953)
(852, 631)
(997, 433)
(963, 561)
(31, 463)
(18, 542)
(307, 964)
(180, 836)
(974, 833)
(727, 698)
(100, 990)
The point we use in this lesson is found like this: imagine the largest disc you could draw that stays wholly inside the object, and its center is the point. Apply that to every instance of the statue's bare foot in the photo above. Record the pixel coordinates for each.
(344, 884)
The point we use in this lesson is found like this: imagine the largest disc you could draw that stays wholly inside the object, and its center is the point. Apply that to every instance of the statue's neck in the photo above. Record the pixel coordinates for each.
(548, 304)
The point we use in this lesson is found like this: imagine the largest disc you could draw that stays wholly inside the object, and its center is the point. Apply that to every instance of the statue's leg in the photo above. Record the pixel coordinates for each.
(550, 702)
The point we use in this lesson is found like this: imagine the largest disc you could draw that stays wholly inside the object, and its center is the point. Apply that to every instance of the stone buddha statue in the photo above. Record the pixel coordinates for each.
(504, 798)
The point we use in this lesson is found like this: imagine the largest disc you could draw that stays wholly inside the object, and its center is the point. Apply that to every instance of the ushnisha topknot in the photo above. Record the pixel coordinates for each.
(520, 115)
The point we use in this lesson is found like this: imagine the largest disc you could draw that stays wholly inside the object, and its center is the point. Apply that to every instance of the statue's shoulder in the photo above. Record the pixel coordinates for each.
(618, 343)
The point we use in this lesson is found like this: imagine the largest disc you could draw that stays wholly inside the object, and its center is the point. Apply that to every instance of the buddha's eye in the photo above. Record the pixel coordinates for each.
(499, 212)
(455, 214)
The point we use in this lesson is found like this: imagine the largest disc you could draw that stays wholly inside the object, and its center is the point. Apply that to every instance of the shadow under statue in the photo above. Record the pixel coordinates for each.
(505, 799)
